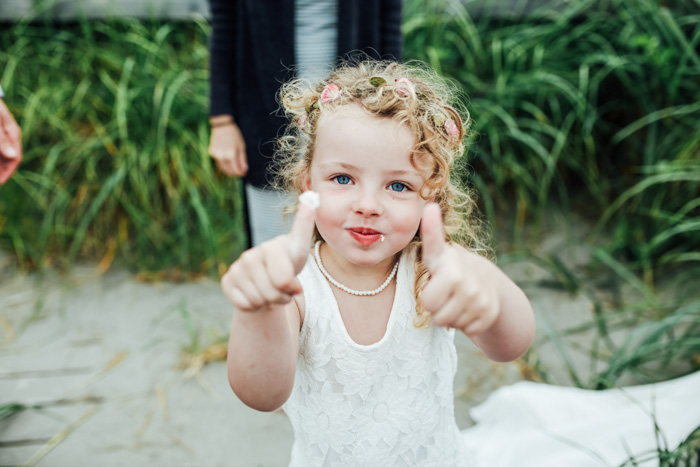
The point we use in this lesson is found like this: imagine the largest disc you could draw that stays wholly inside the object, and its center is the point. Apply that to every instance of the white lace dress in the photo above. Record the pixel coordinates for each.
(388, 404)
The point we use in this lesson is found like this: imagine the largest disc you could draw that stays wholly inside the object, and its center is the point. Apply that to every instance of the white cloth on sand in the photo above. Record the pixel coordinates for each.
(530, 424)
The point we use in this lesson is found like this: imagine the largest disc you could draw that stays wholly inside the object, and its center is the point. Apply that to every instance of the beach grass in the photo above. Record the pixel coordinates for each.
(588, 108)
(114, 120)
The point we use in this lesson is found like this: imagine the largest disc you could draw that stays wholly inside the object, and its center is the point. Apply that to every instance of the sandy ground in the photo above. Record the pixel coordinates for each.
(95, 357)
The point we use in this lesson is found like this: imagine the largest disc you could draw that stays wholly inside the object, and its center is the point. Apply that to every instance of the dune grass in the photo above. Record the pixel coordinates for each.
(593, 106)
(115, 135)
(590, 108)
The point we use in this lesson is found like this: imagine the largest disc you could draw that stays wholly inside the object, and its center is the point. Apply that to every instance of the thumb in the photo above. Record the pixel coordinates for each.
(303, 229)
(432, 235)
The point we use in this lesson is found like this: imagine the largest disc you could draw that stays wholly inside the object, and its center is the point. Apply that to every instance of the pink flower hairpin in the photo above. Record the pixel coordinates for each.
(330, 93)
(407, 88)
(451, 128)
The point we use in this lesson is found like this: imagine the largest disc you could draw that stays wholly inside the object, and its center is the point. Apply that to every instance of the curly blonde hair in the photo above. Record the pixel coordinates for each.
(411, 94)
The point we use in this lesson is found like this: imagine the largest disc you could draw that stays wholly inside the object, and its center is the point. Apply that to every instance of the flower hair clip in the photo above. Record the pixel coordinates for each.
(330, 93)
(451, 128)
(448, 124)
(406, 87)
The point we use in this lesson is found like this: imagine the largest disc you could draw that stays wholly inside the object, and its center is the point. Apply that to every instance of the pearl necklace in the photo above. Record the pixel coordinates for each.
(348, 289)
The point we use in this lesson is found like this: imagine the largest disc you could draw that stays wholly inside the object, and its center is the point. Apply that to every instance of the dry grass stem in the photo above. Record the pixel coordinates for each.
(60, 436)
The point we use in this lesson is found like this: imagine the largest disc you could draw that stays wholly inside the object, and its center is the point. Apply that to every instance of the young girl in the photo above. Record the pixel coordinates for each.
(348, 322)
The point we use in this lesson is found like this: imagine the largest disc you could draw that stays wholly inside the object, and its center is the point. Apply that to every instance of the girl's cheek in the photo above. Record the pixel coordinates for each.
(409, 220)
(331, 200)
(326, 212)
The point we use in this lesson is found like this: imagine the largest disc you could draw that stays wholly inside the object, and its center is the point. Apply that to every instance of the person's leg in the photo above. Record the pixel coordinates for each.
(266, 213)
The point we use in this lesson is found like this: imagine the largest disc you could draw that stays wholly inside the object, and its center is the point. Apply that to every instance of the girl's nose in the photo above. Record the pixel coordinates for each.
(368, 204)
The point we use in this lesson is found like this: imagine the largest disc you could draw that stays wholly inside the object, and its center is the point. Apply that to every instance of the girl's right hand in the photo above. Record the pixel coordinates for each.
(228, 148)
(265, 276)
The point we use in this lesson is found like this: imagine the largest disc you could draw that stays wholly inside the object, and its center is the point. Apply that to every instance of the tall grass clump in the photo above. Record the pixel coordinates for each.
(115, 131)
(589, 105)
(686, 454)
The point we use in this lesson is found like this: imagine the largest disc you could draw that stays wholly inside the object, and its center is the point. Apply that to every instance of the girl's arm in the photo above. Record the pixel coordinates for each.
(262, 353)
(264, 339)
(511, 333)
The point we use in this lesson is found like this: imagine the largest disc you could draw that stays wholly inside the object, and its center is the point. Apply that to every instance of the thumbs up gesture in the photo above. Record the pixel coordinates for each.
(462, 291)
(265, 276)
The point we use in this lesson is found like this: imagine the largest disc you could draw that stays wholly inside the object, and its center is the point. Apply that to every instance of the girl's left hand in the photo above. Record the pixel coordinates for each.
(462, 291)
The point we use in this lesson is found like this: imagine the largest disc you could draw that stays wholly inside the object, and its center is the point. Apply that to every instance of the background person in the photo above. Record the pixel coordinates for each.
(255, 46)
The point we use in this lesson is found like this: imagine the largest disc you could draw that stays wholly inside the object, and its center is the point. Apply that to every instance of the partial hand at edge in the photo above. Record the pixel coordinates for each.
(10, 144)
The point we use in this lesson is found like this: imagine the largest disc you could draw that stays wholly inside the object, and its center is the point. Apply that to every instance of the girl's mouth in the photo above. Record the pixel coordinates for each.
(364, 235)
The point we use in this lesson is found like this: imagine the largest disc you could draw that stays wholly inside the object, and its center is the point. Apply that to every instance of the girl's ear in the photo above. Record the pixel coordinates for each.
(306, 181)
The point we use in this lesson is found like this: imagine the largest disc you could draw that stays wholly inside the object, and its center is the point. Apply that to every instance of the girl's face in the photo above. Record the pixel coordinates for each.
(361, 168)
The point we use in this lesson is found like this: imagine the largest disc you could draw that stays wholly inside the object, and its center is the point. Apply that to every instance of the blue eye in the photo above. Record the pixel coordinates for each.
(398, 186)
(342, 179)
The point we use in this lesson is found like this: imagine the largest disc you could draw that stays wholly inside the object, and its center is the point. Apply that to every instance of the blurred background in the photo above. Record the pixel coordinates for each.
(585, 154)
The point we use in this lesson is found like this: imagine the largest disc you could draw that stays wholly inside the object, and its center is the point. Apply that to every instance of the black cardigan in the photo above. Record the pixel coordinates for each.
(252, 44)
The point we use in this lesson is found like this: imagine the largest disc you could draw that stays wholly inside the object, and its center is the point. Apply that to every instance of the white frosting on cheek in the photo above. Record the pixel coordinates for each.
(311, 199)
